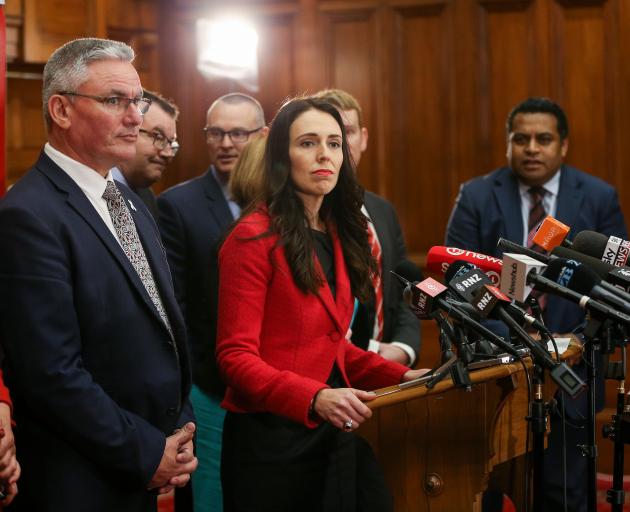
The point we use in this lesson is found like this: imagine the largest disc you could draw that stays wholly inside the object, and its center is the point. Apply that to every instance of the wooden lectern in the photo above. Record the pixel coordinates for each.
(437, 447)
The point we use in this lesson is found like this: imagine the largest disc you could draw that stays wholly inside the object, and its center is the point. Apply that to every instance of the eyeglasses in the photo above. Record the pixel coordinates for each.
(237, 135)
(161, 142)
(116, 104)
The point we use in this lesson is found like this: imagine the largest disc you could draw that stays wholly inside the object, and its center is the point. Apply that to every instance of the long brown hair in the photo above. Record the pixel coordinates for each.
(341, 208)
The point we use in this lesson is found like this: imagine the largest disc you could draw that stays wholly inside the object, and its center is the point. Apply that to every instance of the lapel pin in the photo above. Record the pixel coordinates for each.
(132, 206)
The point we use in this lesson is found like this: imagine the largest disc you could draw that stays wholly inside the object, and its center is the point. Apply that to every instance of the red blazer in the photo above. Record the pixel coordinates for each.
(4, 392)
(275, 344)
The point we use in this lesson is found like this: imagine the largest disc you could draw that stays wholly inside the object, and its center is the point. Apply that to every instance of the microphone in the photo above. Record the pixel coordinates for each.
(466, 280)
(520, 274)
(615, 279)
(428, 296)
(489, 299)
(512, 247)
(586, 282)
(468, 288)
(611, 250)
(551, 234)
(439, 258)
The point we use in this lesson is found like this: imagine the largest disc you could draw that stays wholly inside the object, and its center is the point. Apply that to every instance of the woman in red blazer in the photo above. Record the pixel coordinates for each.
(289, 272)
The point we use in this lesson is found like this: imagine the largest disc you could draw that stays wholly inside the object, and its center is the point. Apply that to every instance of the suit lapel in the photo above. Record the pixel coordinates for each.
(338, 308)
(78, 201)
(217, 204)
(507, 196)
(570, 197)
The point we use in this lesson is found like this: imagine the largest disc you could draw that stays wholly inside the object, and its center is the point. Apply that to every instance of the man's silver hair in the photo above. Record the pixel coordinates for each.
(67, 67)
(235, 98)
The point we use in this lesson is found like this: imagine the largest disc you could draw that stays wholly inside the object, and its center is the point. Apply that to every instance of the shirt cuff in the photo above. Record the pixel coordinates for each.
(374, 345)
(411, 353)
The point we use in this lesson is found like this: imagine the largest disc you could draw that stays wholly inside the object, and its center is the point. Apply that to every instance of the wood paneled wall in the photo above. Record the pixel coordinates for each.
(436, 79)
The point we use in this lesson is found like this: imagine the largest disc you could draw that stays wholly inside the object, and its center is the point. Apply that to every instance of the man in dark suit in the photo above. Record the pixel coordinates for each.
(501, 204)
(398, 336)
(155, 148)
(193, 217)
(93, 336)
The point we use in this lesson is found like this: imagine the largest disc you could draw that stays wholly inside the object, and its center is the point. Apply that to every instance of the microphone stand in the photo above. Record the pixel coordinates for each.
(619, 430)
(450, 362)
(592, 336)
(538, 420)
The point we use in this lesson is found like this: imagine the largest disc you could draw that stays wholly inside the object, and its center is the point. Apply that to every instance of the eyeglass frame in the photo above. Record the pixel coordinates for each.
(169, 143)
(103, 99)
(229, 133)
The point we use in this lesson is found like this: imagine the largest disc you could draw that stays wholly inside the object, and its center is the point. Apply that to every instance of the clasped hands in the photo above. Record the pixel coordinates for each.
(178, 461)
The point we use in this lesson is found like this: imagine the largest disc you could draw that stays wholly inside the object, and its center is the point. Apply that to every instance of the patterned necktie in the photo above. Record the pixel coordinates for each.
(377, 284)
(132, 247)
(536, 213)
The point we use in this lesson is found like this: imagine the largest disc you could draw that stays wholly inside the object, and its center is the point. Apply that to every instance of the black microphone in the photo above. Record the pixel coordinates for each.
(468, 287)
(611, 250)
(489, 300)
(509, 246)
(519, 275)
(585, 281)
(612, 276)
(428, 296)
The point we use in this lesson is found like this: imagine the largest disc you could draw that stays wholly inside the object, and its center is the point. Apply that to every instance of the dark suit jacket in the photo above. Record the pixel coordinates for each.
(400, 324)
(148, 198)
(489, 207)
(193, 217)
(95, 378)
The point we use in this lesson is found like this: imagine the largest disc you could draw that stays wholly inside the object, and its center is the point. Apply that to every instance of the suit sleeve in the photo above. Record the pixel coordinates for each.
(43, 347)
(611, 220)
(407, 327)
(174, 238)
(245, 271)
(464, 223)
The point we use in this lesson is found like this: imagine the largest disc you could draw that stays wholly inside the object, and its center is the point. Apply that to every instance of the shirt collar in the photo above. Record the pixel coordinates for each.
(552, 186)
(119, 176)
(88, 180)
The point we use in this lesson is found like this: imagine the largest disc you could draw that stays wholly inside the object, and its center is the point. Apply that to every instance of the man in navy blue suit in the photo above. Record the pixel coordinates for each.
(499, 204)
(193, 216)
(93, 336)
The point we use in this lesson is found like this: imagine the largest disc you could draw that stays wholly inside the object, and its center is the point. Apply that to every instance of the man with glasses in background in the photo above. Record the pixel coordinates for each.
(193, 217)
(156, 146)
(93, 339)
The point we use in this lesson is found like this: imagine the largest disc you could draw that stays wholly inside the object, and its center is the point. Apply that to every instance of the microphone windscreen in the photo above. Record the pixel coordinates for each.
(571, 274)
(458, 268)
(410, 271)
(583, 280)
(598, 266)
(590, 243)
